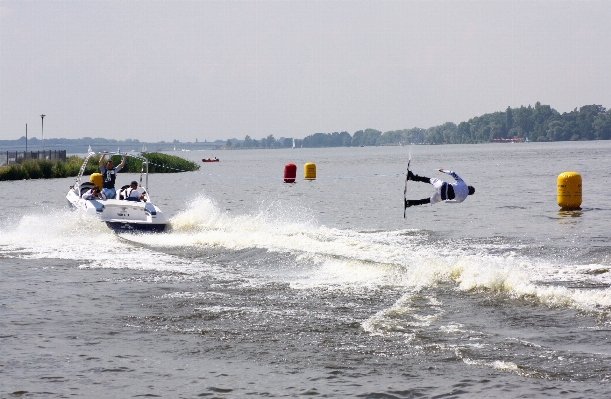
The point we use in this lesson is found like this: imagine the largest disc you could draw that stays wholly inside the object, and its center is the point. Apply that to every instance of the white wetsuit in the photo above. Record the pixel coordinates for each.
(461, 190)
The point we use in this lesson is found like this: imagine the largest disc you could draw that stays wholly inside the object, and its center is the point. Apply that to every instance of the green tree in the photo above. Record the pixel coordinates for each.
(509, 118)
(463, 131)
(585, 120)
(602, 125)
(357, 138)
(370, 137)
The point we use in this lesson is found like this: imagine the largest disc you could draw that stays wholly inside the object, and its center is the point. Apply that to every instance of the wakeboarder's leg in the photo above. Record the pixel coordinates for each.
(414, 177)
(422, 201)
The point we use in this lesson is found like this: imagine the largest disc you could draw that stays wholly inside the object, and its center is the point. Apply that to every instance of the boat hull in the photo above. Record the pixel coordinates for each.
(130, 227)
(122, 215)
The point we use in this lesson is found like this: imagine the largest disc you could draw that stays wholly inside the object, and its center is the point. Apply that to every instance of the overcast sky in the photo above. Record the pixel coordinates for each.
(187, 70)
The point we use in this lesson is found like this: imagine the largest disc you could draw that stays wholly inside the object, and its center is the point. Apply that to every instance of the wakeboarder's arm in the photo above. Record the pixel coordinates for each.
(451, 173)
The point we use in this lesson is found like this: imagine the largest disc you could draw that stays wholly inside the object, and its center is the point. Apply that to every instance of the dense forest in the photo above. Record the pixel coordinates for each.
(538, 123)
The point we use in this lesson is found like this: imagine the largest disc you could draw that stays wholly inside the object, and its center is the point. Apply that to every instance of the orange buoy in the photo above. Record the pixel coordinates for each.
(569, 190)
(290, 173)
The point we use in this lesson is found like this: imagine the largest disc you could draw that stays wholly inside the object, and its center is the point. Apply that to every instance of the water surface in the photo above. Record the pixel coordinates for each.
(318, 288)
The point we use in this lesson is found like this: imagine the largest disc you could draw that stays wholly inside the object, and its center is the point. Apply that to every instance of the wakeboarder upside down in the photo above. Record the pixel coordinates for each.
(448, 192)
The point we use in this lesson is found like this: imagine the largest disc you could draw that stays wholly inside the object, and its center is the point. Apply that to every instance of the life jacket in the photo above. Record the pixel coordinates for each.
(447, 192)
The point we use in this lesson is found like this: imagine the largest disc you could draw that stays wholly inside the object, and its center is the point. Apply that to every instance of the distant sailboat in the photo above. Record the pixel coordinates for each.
(293, 143)
(143, 148)
(89, 149)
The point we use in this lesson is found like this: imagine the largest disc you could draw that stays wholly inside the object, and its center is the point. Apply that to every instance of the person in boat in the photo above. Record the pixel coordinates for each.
(94, 194)
(131, 193)
(109, 175)
(444, 191)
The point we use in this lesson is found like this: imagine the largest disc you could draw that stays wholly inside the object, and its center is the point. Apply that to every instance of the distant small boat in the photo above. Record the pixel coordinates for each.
(210, 160)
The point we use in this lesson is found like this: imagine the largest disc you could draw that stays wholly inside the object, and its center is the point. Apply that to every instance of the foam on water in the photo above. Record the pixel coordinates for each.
(64, 234)
(336, 257)
(403, 317)
(401, 258)
(497, 364)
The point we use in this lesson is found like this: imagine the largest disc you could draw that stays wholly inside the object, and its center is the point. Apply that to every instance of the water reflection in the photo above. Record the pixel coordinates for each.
(570, 213)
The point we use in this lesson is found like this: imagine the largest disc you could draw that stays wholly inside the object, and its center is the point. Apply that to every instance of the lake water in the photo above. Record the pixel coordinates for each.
(319, 288)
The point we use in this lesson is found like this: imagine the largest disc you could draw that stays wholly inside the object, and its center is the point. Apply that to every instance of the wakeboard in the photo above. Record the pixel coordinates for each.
(405, 189)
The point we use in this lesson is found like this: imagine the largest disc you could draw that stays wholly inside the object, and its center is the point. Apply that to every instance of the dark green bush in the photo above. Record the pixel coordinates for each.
(45, 169)
(158, 163)
(163, 163)
(30, 169)
(59, 169)
(11, 172)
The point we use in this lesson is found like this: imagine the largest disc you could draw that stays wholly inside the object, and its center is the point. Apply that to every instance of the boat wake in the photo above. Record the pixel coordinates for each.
(285, 243)
(411, 259)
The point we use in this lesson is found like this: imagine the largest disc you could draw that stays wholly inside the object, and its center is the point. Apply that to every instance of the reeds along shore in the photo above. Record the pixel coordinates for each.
(46, 169)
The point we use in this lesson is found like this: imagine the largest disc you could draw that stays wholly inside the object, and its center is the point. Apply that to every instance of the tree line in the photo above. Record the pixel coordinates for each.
(538, 123)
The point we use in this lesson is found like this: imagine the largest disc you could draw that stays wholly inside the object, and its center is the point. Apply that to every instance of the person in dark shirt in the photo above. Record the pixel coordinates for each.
(109, 175)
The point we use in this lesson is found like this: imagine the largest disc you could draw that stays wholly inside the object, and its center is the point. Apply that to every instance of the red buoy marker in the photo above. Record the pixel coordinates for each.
(290, 173)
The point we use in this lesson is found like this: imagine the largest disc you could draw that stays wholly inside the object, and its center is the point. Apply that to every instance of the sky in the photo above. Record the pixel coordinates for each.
(208, 70)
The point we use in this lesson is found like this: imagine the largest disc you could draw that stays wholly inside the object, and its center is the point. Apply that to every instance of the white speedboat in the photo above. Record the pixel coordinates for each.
(119, 214)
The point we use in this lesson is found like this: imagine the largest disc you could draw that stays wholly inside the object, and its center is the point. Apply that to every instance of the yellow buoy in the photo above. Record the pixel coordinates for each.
(309, 171)
(569, 190)
(96, 178)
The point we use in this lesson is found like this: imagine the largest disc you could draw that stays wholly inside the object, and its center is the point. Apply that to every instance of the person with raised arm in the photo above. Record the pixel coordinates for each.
(109, 175)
